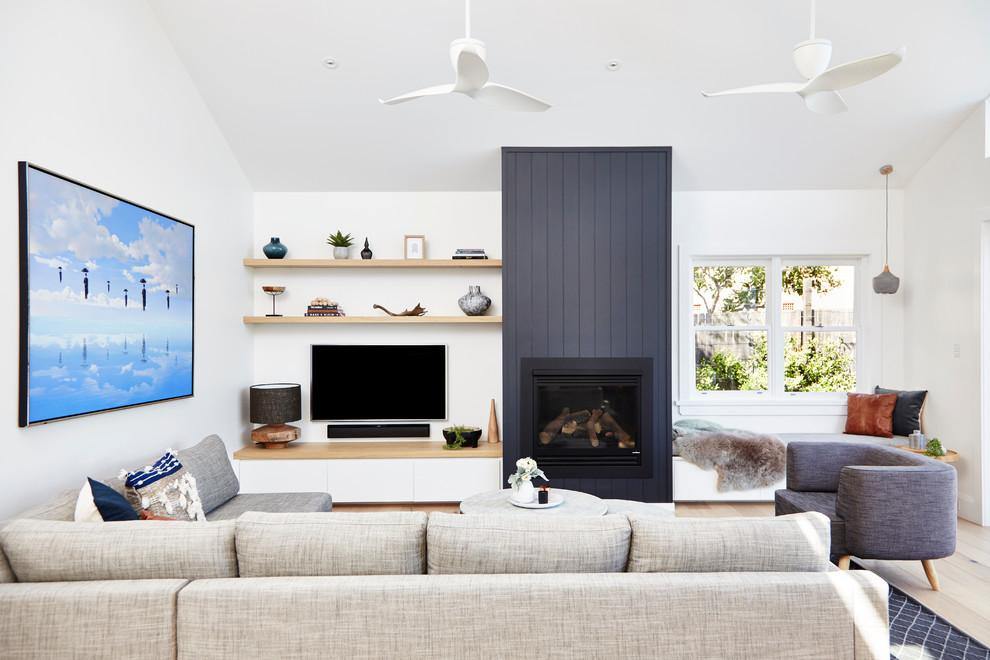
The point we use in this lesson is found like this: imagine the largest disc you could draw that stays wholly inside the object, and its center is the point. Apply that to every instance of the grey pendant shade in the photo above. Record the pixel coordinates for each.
(886, 282)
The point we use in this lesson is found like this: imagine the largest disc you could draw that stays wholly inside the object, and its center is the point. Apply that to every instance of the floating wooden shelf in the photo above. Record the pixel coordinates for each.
(373, 263)
(383, 449)
(371, 319)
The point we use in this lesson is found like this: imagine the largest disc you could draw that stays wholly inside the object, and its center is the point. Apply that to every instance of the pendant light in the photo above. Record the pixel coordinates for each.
(886, 282)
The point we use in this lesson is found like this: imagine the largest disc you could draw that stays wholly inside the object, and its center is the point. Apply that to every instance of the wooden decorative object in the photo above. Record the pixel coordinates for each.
(950, 455)
(275, 436)
(415, 311)
(492, 425)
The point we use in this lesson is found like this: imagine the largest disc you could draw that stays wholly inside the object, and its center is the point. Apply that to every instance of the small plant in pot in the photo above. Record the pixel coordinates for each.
(341, 243)
(461, 436)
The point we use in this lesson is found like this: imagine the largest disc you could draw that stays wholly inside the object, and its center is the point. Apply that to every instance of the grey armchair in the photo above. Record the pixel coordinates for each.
(883, 502)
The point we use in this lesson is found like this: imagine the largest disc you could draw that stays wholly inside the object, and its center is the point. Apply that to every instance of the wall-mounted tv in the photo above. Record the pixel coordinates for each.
(378, 382)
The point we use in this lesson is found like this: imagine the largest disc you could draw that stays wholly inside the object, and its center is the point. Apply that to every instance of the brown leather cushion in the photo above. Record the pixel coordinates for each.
(871, 414)
(147, 515)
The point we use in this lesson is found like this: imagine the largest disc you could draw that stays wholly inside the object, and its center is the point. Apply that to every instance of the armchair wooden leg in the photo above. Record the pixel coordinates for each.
(844, 562)
(929, 565)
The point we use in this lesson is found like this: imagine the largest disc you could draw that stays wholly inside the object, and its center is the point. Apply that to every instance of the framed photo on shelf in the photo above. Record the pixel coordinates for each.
(106, 309)
(415, 246)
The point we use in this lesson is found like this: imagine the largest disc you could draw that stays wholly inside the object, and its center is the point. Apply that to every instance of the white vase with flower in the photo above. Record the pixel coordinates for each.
(523, 490)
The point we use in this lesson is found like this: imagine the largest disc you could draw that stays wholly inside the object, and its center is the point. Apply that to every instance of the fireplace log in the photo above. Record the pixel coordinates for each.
(609, 423)
(592, 425)
(566, 422)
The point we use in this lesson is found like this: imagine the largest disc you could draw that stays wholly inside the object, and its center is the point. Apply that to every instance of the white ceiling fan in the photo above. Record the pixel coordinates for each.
(820, 89)
(468, 57)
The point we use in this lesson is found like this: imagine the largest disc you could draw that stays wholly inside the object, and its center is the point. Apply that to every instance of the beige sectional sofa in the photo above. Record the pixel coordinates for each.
(412, 585)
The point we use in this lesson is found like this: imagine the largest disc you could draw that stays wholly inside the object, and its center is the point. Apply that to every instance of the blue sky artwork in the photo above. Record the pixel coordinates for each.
(110, 302)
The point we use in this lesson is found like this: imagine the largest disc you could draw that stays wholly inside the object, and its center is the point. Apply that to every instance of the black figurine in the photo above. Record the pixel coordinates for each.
(366, 252)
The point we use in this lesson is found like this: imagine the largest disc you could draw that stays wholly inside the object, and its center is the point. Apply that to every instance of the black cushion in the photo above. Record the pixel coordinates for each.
(907, 409)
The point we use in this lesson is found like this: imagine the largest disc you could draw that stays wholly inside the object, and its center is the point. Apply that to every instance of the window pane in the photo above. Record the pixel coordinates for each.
(730, 360)
(820, 362)
(817, 295)
(730, 295)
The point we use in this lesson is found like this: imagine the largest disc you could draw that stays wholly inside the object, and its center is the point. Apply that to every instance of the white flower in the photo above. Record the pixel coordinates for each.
(526, 469)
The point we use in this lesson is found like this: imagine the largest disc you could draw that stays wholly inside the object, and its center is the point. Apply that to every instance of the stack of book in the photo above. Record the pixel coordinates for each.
(324, 307)
(469, 253)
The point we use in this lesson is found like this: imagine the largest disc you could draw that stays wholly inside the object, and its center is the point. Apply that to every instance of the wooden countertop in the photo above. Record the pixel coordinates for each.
(383, 449)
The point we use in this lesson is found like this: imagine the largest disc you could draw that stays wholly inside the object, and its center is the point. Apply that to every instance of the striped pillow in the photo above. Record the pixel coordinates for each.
(166, 489)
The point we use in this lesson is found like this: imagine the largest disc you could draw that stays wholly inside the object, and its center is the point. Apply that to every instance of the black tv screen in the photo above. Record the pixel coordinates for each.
(368, 382)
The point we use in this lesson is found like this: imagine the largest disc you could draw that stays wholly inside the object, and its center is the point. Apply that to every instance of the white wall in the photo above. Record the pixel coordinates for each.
(94, 91)
(942, 298)
(769, 223)
(302, 222)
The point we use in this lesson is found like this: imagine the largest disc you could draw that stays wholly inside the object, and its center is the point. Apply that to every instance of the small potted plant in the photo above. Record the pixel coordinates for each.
(522, 481)
(934, 449)
(461, 436)
(341, 244)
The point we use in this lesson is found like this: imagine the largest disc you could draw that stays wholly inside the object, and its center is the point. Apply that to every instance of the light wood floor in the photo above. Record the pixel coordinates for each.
(964, 599)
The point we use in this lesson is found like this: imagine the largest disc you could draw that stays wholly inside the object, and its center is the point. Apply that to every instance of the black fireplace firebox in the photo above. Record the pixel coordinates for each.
(588, 417)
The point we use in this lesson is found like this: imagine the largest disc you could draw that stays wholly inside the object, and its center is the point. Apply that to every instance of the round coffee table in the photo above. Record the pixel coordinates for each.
(575, 503)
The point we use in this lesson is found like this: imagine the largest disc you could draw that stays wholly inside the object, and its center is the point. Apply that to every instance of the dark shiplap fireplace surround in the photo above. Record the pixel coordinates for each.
(586, 279)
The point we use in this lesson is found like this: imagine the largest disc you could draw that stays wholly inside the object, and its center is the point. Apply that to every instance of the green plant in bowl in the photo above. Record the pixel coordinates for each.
(934, 448)
(461, 436)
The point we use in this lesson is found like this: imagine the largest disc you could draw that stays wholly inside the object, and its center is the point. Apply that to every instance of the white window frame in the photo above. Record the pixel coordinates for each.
(693, 401)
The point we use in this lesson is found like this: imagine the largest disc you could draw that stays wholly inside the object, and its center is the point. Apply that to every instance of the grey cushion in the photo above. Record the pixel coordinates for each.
(208, 463)
(280, 545)
(119, 619)
(798, 542)
(632, 507)
(791, 501)
(814, 466)
(272, 503)
(493, 543)
(51, 551)
(907, 409)
(6, 575)
(61, 506)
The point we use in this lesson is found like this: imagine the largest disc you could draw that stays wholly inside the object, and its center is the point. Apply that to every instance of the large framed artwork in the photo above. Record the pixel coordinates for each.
(106, 287)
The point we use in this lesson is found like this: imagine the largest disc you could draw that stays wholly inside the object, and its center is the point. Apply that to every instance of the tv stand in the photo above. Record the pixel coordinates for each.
(384, 471)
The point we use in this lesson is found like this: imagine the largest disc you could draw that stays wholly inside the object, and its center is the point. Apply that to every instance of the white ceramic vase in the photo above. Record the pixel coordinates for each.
(523, 492)
(341, 252)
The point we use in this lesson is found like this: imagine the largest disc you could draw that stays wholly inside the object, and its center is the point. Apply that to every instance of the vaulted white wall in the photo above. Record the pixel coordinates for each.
(946, 203)
(93, 90)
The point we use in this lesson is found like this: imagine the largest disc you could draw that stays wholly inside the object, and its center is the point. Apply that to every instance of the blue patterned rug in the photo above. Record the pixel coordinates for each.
(917, 633)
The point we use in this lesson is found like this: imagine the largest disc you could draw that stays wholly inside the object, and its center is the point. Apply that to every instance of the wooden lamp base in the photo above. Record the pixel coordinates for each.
(275, 436)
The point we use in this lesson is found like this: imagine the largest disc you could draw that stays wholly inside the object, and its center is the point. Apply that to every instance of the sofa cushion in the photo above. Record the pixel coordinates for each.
(870, 414)
(283, 545)
(798, 542)
(791, 501)
(6, 575)
(493, 543)
(272, 503)
(100, 503)
(55, 550)
(208, 462)
(907, 409)
(118, 619)
(166, 489)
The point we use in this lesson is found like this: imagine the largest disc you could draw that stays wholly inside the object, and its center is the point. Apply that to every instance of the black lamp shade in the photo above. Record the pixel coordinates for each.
(276, 403)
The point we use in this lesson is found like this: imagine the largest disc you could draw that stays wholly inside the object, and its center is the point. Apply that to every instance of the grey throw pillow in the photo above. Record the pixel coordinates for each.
(907, 409)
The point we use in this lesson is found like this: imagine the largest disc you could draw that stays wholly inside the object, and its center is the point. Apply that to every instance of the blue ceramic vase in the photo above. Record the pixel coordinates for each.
(275, 250)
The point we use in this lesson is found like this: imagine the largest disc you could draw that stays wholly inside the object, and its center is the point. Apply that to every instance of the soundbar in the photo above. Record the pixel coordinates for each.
(378, 430)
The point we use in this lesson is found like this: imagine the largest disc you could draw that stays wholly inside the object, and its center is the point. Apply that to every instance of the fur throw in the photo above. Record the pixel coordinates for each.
(743, 459)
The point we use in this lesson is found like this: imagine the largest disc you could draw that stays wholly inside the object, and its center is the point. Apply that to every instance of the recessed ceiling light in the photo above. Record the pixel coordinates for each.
(330, 62)
(613, 65)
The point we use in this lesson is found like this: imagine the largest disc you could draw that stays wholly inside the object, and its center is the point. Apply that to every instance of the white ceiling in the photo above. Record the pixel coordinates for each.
(295, 125)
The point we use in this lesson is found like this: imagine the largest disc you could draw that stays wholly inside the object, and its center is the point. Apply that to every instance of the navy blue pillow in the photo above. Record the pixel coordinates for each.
(111, 504)
(907, 409)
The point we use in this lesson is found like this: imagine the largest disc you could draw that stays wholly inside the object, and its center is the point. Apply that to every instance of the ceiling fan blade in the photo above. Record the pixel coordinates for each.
(507, 98)
(468, 58)
(855, 72)
(768, 88)
(429, 91)
(824, 103)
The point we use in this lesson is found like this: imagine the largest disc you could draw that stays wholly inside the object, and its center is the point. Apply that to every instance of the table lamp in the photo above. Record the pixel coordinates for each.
(274, 404)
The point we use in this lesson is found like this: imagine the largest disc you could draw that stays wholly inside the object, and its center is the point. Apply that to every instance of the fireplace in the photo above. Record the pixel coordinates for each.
(588, 417)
